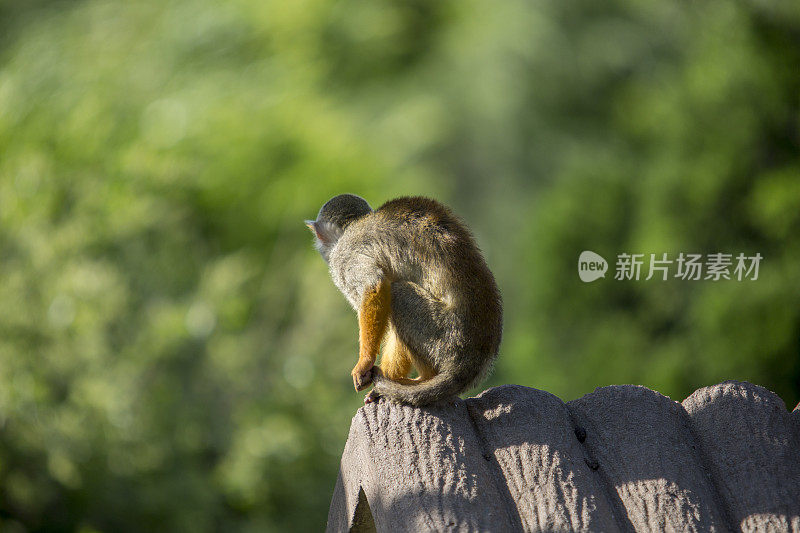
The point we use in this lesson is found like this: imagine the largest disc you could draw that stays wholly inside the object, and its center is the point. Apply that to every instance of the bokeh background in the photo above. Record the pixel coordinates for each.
(173, 354)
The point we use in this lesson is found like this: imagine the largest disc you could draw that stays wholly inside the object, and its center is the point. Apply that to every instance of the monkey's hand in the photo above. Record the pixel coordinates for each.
(362, 374)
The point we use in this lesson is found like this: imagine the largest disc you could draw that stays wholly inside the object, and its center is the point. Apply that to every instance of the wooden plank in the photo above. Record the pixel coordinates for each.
(753, 448)
(642, 446)
(531, 436)
(420, 470)
(349, 509)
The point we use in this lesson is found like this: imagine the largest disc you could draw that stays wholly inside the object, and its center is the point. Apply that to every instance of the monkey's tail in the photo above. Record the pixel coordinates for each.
(441, 386)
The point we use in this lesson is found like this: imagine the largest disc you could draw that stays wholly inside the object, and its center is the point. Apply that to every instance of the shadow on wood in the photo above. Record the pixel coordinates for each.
(623, 458)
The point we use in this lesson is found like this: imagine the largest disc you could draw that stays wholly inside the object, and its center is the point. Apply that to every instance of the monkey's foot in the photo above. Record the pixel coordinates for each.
(371, 397)
(362, 380)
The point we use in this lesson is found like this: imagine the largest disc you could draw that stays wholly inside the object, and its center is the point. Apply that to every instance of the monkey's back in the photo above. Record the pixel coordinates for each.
(419, 240)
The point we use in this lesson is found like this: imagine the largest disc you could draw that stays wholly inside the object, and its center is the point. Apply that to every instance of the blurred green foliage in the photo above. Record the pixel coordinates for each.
(173, 355)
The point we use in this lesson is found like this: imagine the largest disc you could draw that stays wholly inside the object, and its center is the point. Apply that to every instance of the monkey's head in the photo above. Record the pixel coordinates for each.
(333, 218)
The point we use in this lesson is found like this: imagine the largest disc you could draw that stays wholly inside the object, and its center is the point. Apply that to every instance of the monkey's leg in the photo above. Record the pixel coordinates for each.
(373, 316)
(395, 358)
(420, 321)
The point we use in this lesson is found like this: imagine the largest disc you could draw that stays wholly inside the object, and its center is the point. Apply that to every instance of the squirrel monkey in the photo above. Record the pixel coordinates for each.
(416, 278)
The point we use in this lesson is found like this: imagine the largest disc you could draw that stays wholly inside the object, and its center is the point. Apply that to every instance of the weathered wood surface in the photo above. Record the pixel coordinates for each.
(623, 458)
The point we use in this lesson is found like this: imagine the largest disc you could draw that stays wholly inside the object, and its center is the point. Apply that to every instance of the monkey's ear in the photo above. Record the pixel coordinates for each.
(312, 225)
(326, 232)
